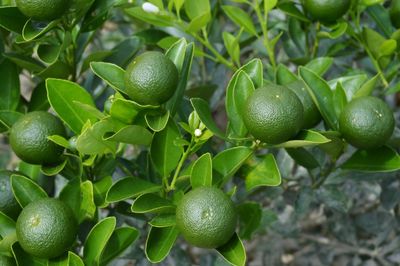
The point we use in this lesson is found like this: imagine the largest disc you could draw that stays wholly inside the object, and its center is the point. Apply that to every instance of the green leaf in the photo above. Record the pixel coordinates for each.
(383, 159)
(336, 31)
(133, 134)
(227, 162)
(303, 157)
(24, 258)
(112, 74)
(284, 76)
(250, 214)
(266, 173)
(12, 19)
(97, 240)
(387, 48)
(83, 107)
(91, 141)
(7, 225)
(339, 98)
(269, 4)
(335, 147)
(10, 89)
(48, 53)
(241, 18)
(120, 240)
(151, 203)
(74, 260)
(87, 206)
(71, 195)
(239, 89)
(321, 94)
(159, 243)
(367, 88)
(291, 9)
(320, 65)
(177, 53)
(233, 251)
(157, 122)
(62, 94)
(25, 62)
(32, 30)
(53, 169)
(198, 23)
(196, 8)
(25, 190)
(350, 84)
(164, 153)
(100, 189)
(303, 139)
(232, 46)
(380, 15)
(162, 20)
(254, 69)
(202, 109)
(163, 220)
(126, 111)
(201, 174)
(130, 187)
(8, 118)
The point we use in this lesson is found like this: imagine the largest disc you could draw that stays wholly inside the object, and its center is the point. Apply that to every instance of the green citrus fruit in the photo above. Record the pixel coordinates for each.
(6, 261)
(46, 228)
(151, 78)
(206, 217)
(394, 12)
(8, 205)
(366, 122)
(43, 10)
(28, 138)
(327, 11)
(273, 114)
(311, 114)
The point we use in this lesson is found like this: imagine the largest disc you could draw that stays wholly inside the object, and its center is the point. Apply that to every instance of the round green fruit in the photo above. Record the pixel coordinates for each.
(326, 11)
(43, 10)
(8, 204)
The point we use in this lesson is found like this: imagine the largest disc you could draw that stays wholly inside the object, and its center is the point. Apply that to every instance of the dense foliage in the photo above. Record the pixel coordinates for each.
(309, 197)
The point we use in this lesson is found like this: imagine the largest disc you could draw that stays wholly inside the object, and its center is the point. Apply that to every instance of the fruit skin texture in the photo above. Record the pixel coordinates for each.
(206, 217)
(273, 114)
(151, 78)
(6, 261)
(8, 204)
(311, 114)
(46, 228)
(327, 11)
(366, 122)
(28, 138)
(43, 10)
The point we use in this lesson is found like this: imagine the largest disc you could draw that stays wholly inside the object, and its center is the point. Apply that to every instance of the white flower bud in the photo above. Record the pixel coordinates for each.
(198, 132)
(150, 8)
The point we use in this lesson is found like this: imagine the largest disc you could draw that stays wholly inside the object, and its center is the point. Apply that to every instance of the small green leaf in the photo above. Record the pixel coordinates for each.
(32, 30)
(25, 190)
(7, 225)
(250, 214)
(383, 159)
(232, 46)
(97, 240)
(291, 9)
(24, 258)
(48, 53)
(74, 260)
(87, 206)
(241, 18)
(8, 118)
(196, 8)
(133, 134)
(157, 122)
(112, 74)
(303, 139)
(198, 23)
(62, 94)
(233, 251)
(130, 187)
(227, 162)
(254, 69)
(202, 109)
(388, 47)
(336, 31)
(321, 94)
(53, 169)
(284, 76)
(320, 65)
(12, 19)
(120, 240)
(10, 89)
(90, 109)
(163, 220)
(367, 88)
(303, 157)
(266, 173)
(164, 153)
(151, 203)
(339, 99)
(126, 111)
(201, 174)
(159, 243)
(269, 5)
(100, 189)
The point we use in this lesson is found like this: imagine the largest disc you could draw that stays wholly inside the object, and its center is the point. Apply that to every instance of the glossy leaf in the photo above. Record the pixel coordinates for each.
(383, 159)
(177, 53)
(284, 76)
(201, 174)
(12, 19)
(24, 258)
(266, 173)
(151, 203)
(239, 89)
(164, 153)
(25, 190)
(303, 157)
(321, 94)
(7, 225)
(157, 122)
(250, 214)
(8, 118)
(112, 74)
(233, 251)
(120, 240)
(227, 162)
(320, 65)
(336, 31)
(33, 29)
(163, 220)
(97, 240)
(303, 139)
(202, 109)
(130, 187)
(10, 89)
(196, 8)
(159, 243)
(232, 46)
(254, 69)
(133, 134)
(62, 94)
(87, 206)
(53, 169)
(241, 18)
(74, 260)
(126, 110)
(367, 88)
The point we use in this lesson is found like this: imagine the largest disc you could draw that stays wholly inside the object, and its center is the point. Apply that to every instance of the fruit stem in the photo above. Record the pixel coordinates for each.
(179, 167)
